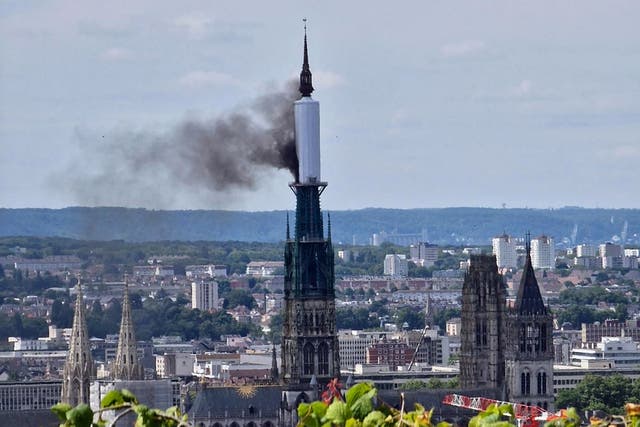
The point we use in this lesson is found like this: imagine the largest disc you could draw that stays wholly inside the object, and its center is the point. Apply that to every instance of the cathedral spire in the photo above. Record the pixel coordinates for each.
(78, 368)
(529, 299)
(127, 366)
(306, 87)
(328, 226)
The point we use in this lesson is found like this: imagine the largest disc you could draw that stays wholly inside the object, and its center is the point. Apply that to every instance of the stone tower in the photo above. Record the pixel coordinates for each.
(483, 324)
(78, 368)
(126, 366)
(529, 350)
(309, 342)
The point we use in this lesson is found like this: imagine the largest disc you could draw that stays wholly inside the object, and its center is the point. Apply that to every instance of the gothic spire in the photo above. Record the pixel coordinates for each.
(127, 366)
(78, 368)
(306, 87)
(275, 376)
(529, 300)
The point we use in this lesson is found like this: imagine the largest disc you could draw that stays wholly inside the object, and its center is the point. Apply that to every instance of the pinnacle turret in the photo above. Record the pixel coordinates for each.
(127, 366)
(529, 299)
(78, 368)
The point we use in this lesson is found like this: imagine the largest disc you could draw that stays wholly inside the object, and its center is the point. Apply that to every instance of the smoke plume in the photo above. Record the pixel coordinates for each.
(204, 157)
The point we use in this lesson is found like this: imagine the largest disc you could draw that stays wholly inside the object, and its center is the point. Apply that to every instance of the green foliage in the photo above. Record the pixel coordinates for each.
(357, 410)
(355, 318)
(590, 295)
(122, 402)
(494, 416)
(606, 393)
(237, 297)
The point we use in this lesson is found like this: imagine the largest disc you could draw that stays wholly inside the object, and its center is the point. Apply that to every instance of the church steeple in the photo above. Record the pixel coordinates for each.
(78, 368)
(529, 300)
(306, 86)
(127, 366)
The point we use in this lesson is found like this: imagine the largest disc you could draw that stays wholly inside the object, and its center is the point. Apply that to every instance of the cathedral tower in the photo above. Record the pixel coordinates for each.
(78, 368)
(127, 366)
(483, 322)
(529, 351)
(309, 343)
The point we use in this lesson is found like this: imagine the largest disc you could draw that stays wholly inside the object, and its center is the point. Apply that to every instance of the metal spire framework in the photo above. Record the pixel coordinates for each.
(126, 365)
(78, 368)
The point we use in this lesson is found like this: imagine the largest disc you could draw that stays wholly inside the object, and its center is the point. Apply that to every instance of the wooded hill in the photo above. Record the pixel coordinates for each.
(459, 226)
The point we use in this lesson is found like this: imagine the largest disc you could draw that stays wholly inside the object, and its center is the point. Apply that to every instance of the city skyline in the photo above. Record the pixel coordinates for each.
(427, 105)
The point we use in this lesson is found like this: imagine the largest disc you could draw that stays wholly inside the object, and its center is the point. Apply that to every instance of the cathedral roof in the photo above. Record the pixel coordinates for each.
(529, 300)
(234, 401)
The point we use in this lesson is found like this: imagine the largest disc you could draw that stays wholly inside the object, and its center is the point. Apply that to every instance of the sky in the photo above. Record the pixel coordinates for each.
(423, 103)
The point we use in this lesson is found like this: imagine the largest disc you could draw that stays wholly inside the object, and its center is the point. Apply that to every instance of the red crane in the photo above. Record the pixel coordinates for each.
(526, 416)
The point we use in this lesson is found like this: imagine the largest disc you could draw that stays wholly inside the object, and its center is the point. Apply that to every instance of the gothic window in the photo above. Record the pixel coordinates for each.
(533, 338)
(542, 383)
(323, 359)
(478, 337)
(484, 333)
(523, 339)
(525, 383)
(543, 338)
(308, 353)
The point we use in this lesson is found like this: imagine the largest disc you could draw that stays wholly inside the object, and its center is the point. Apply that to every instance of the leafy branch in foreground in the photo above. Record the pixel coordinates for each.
(123, 402)
(357, 410)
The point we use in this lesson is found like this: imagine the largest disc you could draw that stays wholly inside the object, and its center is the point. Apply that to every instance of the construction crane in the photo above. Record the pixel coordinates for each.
(526, 416)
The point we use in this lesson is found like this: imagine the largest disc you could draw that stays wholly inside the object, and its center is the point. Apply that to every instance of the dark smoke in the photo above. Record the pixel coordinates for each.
(202, 156)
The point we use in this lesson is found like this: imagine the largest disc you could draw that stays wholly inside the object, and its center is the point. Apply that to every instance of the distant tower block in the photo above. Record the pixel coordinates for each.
(78, 369)
(482, 328)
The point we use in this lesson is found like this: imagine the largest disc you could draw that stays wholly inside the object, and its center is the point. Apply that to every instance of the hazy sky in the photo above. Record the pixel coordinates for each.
(423, 103)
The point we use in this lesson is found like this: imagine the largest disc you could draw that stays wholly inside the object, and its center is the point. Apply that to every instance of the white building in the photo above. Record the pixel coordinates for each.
(204, 295)
(353, 346)
(618, 351)
(504, 248)
(264, 268)
(206, 270)
(632, 253)
(396, 265)
(543, 252)
(174, 365)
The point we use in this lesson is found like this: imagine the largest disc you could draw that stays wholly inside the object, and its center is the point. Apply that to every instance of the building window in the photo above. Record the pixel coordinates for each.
(308, 354)
(323, 359)
(525, 383)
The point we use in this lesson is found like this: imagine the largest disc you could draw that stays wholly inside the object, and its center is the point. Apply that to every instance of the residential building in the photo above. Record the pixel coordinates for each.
(207, 270)
(504, 249)
(264, 268)
(424, 254)
(396, 265)
(586, 251)
(204, 295)
(543, 252)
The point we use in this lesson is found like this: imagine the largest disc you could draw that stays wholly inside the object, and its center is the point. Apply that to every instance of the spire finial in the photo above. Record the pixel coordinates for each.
(328, 226)
(527, 242)
(306, 87)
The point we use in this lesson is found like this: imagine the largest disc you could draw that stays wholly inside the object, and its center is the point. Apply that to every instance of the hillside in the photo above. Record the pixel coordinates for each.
(463, 226)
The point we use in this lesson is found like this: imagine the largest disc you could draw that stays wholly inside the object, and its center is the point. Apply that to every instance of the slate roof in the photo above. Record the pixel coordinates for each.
(529, 300)
(219, 402)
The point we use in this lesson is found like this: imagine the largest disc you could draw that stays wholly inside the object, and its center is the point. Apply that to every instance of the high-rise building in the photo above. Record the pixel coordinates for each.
(424, 254)
(309, 342)
(529, 344)
(204, 295)
(483, 322)
(396, 265)
(126, 365)
(543, 252)
(504, 248)
(78, 369)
